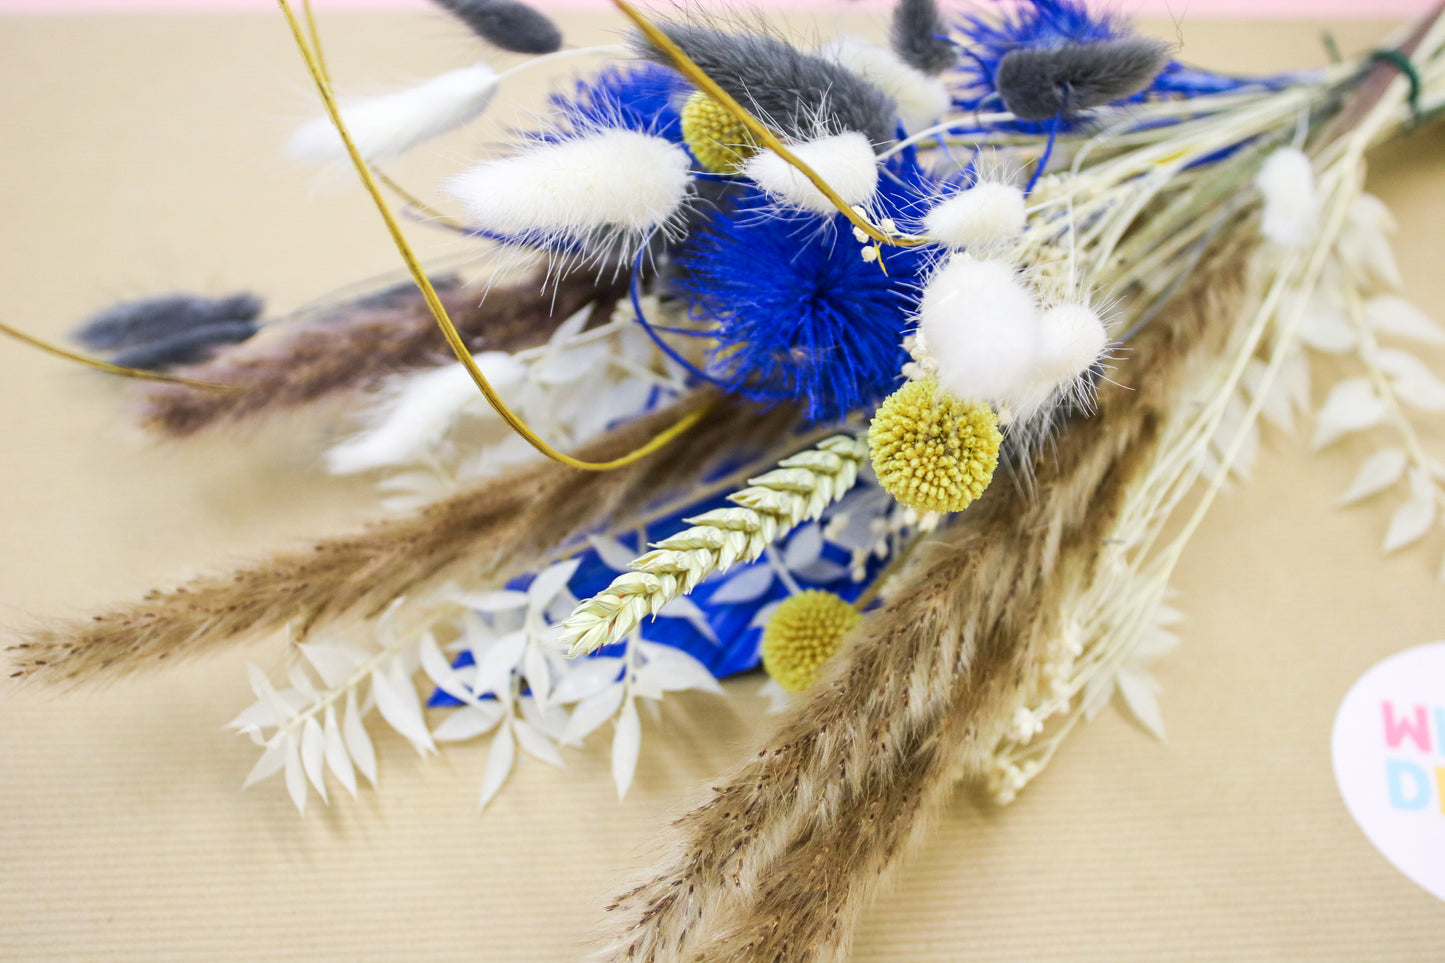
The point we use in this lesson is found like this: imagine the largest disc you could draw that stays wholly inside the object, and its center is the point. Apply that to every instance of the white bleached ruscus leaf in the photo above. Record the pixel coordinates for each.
(626, 744)
(1392, 314)
(358, 743)
(338, 760)
(397, 701)
(1352, 405)
(1380, 471)
(1413, 519)
(499, 763)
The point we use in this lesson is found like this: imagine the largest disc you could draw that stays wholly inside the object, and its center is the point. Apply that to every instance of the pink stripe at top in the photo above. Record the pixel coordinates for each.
(1172, 9)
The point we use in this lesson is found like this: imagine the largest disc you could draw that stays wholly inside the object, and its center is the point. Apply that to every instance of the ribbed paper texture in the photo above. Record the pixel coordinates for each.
(142, 155)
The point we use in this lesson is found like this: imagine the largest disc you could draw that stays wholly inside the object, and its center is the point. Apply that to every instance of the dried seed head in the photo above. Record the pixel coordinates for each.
(803, 633)
(716, 138)
(931, 451)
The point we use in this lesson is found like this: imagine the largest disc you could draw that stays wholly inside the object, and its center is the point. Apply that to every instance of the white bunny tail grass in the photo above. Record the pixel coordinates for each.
(780, 861)
(1071, 352)
(921, 99)
(417, 411)
(594, 191)
(986, 214)
(390, 125)
(846, 161)
(1071, 340)
(980, 324)
(1291, 205)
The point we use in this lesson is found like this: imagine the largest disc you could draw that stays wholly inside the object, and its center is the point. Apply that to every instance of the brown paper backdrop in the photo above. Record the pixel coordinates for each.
(139, 155)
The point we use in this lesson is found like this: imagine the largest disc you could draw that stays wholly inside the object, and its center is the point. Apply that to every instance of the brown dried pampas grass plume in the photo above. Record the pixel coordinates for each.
(482, 535)
(779, 862)
(355, 346)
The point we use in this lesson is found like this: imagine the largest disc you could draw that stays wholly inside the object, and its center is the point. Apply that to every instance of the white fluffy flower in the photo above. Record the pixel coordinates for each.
(610, 180)
(1291, 206)
(1071, 338)
(921, 99)
(392, 124)
(846, 161)
(981, 325)
(418, 413)
(984, 214)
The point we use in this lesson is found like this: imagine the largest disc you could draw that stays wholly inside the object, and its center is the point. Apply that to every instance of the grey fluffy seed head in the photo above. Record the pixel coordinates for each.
(801, 95)
(918, 37)
(507, 24)
(1042, 83)
(187, 347)
(134, 323)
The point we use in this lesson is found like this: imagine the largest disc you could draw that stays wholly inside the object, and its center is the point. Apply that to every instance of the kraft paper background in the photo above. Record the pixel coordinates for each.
(140, 155)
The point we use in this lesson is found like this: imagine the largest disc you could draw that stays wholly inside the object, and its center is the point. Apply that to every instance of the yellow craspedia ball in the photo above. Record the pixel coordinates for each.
(803, 634)
(931, 451)
(716, 138)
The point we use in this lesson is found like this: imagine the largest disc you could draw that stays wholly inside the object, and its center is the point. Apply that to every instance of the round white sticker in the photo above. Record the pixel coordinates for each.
(1389, 753)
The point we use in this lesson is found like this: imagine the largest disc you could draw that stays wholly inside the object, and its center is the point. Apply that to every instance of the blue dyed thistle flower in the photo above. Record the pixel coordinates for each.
(796, 311)
(643, 97)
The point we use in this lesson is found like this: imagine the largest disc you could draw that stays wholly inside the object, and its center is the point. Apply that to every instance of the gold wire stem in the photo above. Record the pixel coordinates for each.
(316, 39)
(418, 205)
(106, 366)
(421, 207)
(429, 294)
(765, 137)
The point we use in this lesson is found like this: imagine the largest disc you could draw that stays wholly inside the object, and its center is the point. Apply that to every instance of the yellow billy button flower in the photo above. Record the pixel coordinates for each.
(716, 138)
(803, 633)
(931, 451)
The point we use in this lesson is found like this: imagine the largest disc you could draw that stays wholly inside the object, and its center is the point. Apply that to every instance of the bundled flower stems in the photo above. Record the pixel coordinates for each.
(903, 372)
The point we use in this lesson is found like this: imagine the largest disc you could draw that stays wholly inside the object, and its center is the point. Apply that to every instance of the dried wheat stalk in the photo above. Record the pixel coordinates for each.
(773, 504)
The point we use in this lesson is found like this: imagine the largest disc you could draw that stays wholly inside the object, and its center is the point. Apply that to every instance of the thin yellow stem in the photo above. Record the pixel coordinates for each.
(419, 205)
(106, 366)
(316, 40)
(765, 137)
(429, 294)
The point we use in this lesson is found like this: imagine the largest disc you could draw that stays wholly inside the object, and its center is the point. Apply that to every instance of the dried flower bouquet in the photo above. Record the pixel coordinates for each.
(906, 372)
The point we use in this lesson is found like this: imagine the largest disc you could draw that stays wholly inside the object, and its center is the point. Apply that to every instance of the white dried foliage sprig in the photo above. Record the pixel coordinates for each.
(519, 687)
(1393, 388)
(318, 722)
(1116, 625)
(434, 431)
(800, 489)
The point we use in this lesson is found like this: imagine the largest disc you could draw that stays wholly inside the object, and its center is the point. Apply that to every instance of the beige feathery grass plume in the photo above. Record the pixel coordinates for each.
(354, 346)
(779, 862)
(478, 536)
